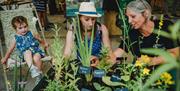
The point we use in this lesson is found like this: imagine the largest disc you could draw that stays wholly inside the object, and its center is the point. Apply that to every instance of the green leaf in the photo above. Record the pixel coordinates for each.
(163, 33)
(74, 68)
(125, 78)
(69, 75)
(107, 89)
(97, 86)
(107, 81)
(175, 30)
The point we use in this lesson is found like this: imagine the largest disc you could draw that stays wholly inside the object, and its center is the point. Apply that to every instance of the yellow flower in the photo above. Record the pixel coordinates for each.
(146, 71)
(170, 82)
(158, 82)
(166, 76)
(145, 59)
(160, 23)
(138, 63)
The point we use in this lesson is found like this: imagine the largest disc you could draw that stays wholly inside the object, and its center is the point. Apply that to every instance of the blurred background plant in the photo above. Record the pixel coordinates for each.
(171, 62)
(134, 76)
(164, 82)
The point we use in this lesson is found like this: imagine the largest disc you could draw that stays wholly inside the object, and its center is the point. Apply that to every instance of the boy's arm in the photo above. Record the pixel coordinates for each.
(8, 53)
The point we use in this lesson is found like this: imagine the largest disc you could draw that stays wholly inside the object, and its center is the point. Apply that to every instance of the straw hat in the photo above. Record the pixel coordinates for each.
(88, 9)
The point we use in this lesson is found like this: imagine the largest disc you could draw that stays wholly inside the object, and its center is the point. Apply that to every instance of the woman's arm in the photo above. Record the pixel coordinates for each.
(8, 53)
(106, 42)
(69, 44)
(105, 38)
(160, 60)
(119, 52)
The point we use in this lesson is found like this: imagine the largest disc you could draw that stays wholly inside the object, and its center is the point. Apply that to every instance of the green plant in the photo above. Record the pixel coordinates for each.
(126, 27)
(53, 86)
(83, 48)
(134, 76)
(164, 81)
(99, 87)
(103, 60)
(82, 43)
(65, 71)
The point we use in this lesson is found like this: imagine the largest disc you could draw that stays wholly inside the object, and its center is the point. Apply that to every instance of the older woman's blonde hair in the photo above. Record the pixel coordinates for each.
(140, 6)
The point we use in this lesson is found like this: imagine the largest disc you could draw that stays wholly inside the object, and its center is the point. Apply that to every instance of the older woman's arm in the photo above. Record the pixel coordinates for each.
(160, 60)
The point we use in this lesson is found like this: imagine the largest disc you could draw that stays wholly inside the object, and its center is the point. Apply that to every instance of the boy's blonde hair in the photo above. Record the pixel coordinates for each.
(19, 20)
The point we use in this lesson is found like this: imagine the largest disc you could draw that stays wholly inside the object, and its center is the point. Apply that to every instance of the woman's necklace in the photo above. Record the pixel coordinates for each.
(148, 31)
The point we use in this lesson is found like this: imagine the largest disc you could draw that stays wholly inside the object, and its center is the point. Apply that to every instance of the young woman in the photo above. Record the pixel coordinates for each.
(87, 17)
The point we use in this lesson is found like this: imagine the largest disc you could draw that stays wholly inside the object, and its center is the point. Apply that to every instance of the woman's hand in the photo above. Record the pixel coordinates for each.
(94, 61)
(112, 59)
(3, 61)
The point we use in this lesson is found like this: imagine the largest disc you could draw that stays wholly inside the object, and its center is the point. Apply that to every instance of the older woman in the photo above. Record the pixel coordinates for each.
(141, 35)
(87, 17)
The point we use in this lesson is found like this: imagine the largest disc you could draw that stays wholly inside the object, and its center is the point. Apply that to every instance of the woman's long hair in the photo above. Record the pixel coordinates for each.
(96, 25)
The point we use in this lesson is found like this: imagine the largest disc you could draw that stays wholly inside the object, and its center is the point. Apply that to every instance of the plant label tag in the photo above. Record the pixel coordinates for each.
(84, 70)
(84, 89)
(99, 73)
(121, 89)
(115, 78)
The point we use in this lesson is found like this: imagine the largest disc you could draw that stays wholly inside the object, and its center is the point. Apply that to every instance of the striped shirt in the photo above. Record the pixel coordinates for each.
(40, 5)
